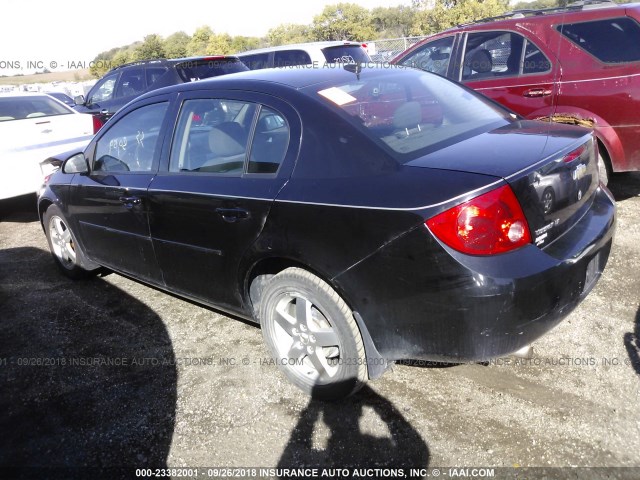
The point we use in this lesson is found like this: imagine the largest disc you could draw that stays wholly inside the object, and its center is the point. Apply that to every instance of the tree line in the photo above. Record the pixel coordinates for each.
(342, 21)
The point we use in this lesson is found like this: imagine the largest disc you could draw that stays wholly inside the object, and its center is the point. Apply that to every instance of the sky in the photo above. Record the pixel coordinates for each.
(58, 35)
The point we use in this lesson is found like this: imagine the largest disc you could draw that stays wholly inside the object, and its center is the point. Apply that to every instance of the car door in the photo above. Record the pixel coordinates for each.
(230, 156)
(512, 70)
(110, 204)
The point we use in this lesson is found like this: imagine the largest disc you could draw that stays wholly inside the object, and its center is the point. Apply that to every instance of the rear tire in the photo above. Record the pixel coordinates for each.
(63, 245)
(604, 169)
(312, 335)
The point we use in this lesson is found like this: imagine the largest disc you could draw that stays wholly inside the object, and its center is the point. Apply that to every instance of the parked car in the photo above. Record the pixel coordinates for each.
(33, 127)
(577, 65)
(315, 54)
(124, 83)
(352, 243)
(63, 97)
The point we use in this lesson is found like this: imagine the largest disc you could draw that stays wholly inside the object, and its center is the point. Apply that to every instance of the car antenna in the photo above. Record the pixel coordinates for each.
(354, 68)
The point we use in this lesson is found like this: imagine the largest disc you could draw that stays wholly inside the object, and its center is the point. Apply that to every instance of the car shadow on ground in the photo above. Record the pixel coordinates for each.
(346, 444)
(632, 343)
(19, 209)
(625, 185)
(87, 373)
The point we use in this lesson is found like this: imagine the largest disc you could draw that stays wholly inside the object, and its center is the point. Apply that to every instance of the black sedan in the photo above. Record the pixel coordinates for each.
(359, 215)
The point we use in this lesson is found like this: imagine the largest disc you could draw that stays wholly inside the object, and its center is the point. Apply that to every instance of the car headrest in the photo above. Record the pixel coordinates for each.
(227, 139)
(480, 61)
(407, 115)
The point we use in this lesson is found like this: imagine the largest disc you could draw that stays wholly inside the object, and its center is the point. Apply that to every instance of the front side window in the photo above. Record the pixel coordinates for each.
(432, 57)
(213, 136)
(131, 144)
(614, 40)
(104, 89)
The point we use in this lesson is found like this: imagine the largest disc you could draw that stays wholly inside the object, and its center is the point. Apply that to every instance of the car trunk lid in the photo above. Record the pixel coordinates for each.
(553, 174)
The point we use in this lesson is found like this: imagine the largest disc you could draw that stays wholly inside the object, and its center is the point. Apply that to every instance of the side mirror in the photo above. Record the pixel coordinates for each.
(76, 164)
(79, 100)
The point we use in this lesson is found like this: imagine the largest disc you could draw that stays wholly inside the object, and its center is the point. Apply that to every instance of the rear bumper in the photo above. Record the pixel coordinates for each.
(421, 300)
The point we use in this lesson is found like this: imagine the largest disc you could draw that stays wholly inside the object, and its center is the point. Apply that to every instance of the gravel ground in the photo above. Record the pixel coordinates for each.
(109, 372)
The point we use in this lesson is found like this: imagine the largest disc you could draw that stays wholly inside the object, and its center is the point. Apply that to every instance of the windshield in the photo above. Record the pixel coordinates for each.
(412, 112)
(191, 71)
(18, 108)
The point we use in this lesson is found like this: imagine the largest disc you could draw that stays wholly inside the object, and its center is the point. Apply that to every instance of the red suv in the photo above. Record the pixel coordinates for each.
(578, 65)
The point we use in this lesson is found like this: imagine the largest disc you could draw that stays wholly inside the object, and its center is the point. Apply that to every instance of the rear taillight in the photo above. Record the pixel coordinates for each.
(486, 225)
(97, 124)
(577, 153)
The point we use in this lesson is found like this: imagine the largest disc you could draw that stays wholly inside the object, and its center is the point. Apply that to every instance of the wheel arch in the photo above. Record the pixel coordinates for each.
(262, 270)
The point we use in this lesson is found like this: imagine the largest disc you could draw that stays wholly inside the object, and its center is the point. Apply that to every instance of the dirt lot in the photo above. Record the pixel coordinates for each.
(109, 372)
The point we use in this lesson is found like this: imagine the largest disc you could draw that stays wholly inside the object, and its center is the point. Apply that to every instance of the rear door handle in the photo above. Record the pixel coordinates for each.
(232, 215)
(537, 92)
(130, 202)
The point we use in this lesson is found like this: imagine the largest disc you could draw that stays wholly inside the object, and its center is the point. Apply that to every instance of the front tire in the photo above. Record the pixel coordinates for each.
(312, 335)
(63, 245)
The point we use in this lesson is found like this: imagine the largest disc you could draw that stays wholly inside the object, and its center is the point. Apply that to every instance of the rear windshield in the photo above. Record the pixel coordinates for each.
(412, 113)
(346, 54)
(18, 108)
(191, 71)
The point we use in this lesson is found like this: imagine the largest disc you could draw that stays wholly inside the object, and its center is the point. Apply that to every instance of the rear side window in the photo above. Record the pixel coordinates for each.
(257, 61)
(191, 71)
(501, 54)
(214, 135)
(290, 58)
(614, 40)
(131, 82)
(346, 54)
(154, 73)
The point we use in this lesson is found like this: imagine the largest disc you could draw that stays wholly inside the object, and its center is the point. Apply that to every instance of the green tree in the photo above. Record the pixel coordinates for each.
(219, 44)
(449, 13)
(175, 45)
(242, 44)
(152, 47)
(199, 43)
(535, 5)
(344, 21)
(392, 22)
(288, 33)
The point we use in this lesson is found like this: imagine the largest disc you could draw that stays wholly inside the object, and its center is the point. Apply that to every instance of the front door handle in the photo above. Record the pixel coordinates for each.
(232, 215)
(130, 202)
(537, 92)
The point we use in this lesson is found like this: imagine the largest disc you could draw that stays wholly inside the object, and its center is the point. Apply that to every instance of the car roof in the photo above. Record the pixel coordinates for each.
(546, 15)
(290, 77)
(173, 61)
(300, 46)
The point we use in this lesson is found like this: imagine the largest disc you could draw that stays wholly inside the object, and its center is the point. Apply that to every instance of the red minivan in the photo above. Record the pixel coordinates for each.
(578, 65)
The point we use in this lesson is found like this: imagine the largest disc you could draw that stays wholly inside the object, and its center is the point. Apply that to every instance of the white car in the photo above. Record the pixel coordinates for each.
(316, 54)
(32, 128)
